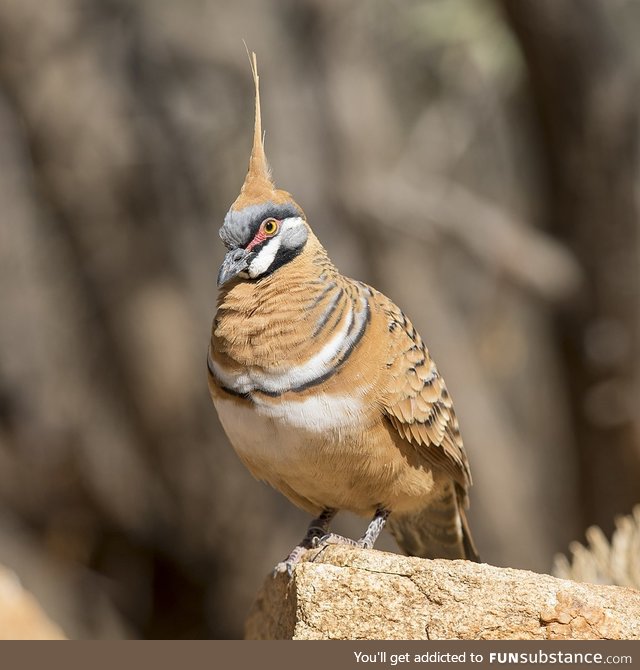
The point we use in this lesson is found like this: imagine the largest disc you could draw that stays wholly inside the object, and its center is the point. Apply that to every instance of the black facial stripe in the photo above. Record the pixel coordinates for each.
(283, 256)
(278, 212)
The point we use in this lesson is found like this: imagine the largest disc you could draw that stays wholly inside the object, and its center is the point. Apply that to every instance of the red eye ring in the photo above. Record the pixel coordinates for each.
(270, 227)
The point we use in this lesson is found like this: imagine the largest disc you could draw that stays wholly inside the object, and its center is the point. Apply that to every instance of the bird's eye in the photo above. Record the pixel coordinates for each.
(270, 227)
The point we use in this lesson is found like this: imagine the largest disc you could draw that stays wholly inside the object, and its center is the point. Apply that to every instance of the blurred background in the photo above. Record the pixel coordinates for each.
(476, 160)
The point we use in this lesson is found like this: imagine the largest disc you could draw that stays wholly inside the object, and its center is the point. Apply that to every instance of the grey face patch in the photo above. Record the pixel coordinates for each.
(267, 256)
(293, 233)
(240, 227)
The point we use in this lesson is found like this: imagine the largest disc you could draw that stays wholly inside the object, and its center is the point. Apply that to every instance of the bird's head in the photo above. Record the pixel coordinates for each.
(264, 228)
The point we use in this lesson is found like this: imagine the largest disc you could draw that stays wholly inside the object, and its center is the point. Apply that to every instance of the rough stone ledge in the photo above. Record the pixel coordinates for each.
(345, 593)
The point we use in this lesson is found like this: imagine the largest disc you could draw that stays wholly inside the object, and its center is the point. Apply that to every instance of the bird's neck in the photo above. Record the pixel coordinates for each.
(284, 317)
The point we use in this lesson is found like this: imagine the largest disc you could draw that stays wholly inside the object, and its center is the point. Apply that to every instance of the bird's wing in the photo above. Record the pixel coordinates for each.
(417, 402)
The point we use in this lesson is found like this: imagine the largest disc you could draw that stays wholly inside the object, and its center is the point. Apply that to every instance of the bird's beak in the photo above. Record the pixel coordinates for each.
(234, 262)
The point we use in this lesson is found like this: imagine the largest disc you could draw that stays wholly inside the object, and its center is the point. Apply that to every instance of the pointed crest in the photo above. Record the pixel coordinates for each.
(258, 185)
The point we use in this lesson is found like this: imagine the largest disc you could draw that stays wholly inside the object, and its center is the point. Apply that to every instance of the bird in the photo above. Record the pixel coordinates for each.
(325, 389)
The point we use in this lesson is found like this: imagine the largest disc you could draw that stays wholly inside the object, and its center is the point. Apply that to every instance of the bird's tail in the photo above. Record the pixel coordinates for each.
(437, 531)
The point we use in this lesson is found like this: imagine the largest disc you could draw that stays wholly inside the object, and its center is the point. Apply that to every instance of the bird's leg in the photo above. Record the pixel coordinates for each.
(317, 528)
(367, 540)
(374, 529)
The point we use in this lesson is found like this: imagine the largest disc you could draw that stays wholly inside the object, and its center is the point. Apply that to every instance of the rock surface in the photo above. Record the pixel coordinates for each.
(21, 617)
(345, 593)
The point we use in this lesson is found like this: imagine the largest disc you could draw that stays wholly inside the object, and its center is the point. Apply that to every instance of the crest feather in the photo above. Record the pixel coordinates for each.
(258, 187)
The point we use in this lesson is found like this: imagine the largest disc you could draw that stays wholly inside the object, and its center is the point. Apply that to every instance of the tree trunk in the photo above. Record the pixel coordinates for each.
(585, 96)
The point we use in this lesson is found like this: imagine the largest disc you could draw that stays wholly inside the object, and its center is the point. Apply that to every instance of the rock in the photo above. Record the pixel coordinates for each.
(345, 593)
(21, 617)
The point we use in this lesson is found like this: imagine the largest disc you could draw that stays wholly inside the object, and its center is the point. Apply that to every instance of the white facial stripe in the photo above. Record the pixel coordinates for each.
(292, 234)
(275, 380)
(262, 262)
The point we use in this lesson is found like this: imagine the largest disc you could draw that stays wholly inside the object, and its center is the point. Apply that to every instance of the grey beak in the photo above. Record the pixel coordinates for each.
(234, 262)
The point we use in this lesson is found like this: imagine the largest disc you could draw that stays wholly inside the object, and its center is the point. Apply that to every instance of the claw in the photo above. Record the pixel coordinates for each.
(334, 538)
(282, 567)
(314, 539)
(290, 561)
